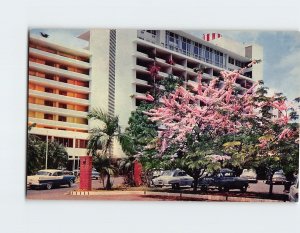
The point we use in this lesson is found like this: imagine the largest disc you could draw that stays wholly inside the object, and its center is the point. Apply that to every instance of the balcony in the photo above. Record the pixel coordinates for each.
(57, 123)
(142, 83)
(57, 84)
(160, 60)
(140, 96)
(163, 75)
(207, 76)
(59, 59)
(143, 56)
(55, 110)
(76, 151)
(180, 66)
(56, 97)
(57, 71)
(141, 68)
(57, 132)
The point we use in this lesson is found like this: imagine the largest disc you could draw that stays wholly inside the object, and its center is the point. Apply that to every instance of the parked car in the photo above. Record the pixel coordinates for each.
(95, 175)
(224, 180)
(278, 178)
(173, 178)
(76, 173)
(157, 173)
(50, 178)
(66, 172)
(250, 175)
(294, 191)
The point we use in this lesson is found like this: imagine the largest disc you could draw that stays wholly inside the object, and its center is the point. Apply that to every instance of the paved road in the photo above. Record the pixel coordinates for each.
(261, 187)
(62, 193)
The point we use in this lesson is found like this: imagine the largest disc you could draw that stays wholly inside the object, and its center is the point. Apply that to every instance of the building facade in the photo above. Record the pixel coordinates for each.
(58, 95)
(113, 74)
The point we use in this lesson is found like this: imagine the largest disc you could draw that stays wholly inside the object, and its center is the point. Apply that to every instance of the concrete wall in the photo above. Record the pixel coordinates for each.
(124, 79)
(256, 52)
(99, 48)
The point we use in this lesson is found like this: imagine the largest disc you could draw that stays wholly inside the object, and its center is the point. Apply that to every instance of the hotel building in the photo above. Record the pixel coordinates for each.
(113, 73)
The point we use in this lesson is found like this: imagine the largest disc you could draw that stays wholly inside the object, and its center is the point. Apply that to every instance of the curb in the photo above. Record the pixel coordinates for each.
(179, 195)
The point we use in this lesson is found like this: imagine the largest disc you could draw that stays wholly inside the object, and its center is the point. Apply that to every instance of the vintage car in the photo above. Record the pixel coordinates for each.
(49, 178)
(173, 178)
(95, 175)
(278, 178)
(224, 180)
(250, 175)
(294, 191)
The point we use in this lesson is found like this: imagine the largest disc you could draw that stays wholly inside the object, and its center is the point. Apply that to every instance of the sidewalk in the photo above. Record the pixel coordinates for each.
(119, 195)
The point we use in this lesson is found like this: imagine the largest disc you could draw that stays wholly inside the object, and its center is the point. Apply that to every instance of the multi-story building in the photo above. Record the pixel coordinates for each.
(58, 96)
(113, 74)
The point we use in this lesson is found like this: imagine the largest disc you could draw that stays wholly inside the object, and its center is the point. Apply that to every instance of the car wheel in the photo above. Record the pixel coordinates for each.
(243, 189)
(175, 186)
(71, 182)
(49, 186)
(203, 188)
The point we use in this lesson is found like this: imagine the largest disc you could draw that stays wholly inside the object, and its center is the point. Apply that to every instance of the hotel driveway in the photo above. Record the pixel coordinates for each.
(63, 193)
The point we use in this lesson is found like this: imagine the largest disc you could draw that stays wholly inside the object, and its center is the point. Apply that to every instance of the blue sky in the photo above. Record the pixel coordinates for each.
(281, 53)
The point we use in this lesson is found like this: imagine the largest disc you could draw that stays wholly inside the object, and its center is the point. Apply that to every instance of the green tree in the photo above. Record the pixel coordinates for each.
(36, 154)
(57, 154)
(103, 164)
(101, 140)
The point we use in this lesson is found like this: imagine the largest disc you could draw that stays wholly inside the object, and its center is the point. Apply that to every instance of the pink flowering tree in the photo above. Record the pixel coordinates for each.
(199, 116)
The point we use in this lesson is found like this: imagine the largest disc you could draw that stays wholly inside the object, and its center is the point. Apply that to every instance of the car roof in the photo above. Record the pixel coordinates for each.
(50, 170)
(223, 170)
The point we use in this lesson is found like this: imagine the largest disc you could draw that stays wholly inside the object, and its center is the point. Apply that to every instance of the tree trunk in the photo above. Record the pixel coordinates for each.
(108, 183)
(271, 184)
(195, 186)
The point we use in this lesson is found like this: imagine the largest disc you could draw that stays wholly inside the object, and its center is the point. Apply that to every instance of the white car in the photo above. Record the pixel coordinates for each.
(294, 191)
(250, 175)
(49, 178)
(173, 178)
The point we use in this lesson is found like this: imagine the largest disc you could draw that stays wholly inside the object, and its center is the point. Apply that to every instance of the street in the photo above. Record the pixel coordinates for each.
(258, 190)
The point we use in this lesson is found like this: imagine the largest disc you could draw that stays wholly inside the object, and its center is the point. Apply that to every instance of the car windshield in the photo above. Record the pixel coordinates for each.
(43, 173)
(167, 173)
(278, 174)
(246, 172)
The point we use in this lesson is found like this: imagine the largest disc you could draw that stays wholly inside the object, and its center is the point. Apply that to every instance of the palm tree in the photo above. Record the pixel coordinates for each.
(101, 140)
(103, 164)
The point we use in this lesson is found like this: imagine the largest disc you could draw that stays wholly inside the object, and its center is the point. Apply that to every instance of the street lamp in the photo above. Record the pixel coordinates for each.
(46, 165)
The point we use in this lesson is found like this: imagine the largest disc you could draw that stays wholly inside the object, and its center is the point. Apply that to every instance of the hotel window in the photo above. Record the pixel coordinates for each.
(49, 63)
(63, 67)
(238, 63)
(62, 92)
(63, 80)
(67, 142)
(62, 118)
(231, 60)
(61, 105)
(48, 103)
(80, 143)
(48, 116)
(49, 76)
(48, 90)
(153, 32)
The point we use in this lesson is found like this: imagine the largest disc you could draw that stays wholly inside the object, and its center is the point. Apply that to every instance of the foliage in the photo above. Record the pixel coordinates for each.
(36, 154)
(103, 164)
(101, 140)
(217, 120)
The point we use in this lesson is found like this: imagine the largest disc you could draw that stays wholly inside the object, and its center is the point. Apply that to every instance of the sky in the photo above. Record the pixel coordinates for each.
(281, 53)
